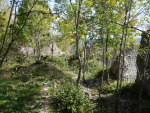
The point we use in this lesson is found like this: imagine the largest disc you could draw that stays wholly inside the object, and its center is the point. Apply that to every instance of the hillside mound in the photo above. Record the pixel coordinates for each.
(21, 87)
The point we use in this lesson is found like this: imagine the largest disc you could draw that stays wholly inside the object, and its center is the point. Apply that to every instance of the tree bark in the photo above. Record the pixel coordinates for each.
(38, 48)
(84, 61)
(107, 63)
(7, 28)
(77, 18)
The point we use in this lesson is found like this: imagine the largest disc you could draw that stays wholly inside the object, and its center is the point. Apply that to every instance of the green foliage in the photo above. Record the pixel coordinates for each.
(16, 97)
(20, 87)
(97, 21)
(109, 88)
(126, 88)
(20, 58)
(73, 65)
(38, 24)
(94, 65)
(69, 98)
(3, 17)
(60, 60)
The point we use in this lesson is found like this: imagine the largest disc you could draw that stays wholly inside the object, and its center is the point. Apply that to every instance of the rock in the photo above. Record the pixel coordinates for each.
(87, 92)
(26, 50)
(129, 67)
(47, 50)
(46, 84)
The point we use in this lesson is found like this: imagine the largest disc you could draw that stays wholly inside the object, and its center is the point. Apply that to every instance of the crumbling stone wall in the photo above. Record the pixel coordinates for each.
(129, 66)
(45, 51)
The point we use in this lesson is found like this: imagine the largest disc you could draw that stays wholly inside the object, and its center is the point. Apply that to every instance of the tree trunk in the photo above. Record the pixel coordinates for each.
(121, 60)
(107, 65)
(84, 61)
(7, 28)
(77, 18)
(52, 49)
(38, 48)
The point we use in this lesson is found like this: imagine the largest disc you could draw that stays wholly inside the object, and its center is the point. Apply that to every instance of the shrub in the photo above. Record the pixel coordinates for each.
(60, 60)
(109, 88)
(94, 66)
(70, 99)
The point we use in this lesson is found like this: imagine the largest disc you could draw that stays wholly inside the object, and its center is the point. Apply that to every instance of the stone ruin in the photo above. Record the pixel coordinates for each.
(50, 49)
(26, 50)
(45, 51)
(134, 63)
(129, 67)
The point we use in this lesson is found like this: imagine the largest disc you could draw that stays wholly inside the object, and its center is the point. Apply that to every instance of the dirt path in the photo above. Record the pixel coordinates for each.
(45, 106)
(45, 95)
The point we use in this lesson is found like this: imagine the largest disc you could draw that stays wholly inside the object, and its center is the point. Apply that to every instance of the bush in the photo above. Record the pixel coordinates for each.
(94, 66)
(71, 99)
(109, 88)
(60, 60)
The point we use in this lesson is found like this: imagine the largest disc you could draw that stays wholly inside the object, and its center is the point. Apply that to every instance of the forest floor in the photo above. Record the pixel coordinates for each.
(26, 89)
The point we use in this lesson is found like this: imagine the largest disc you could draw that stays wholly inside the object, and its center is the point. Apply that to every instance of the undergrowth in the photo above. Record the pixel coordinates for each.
(69, 98)
(20, 87)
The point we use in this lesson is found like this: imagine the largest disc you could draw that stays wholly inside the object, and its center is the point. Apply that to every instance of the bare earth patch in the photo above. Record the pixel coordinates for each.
(45, 96)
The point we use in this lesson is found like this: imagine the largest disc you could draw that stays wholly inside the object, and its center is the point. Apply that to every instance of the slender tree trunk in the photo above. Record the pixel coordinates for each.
(77, 18)
(7, 28)
(122, 62)
(52, 49)
(118, 75)
(14, 37)
(79, 61)
(107, 65)
(103, 57)
(6, 52)
(121, 58)
(84, 61)
(38, 48)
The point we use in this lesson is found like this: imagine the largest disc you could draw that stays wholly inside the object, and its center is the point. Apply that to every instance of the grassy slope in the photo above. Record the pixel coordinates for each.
(20, 86)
